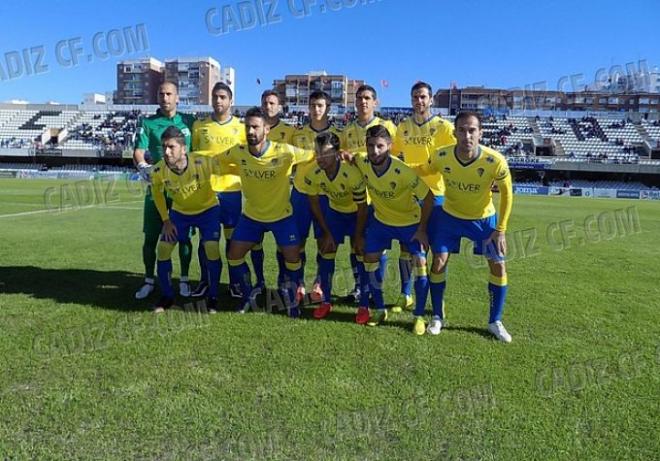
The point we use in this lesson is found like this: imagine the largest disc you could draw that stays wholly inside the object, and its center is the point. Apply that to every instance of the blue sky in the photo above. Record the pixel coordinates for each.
(494, 43)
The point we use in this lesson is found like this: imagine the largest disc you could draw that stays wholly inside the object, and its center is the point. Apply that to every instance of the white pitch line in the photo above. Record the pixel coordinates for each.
(56, 211)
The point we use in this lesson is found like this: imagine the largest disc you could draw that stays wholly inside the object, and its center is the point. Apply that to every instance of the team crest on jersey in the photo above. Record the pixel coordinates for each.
(442, 153)
(243, 162)
(185, 131)
(167, 183)
(317, 171)
(308, 181)
(235, 131)
(342, 187)
(480, 172)
(401, 157)
(397, 171)
(392, 185)
(323, 186)
(282, 135)
(199, 161)
(275, 161)
(157, 169)
(405, 132)
(196, 177)
(446, 170)
(344, 174)
(432, 130)
(490, 159)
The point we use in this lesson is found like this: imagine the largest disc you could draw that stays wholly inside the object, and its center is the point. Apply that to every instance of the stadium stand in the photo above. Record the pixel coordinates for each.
(102, 137)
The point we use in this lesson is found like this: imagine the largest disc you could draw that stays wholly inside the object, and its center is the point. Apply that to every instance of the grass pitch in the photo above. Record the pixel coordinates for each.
(89, 373)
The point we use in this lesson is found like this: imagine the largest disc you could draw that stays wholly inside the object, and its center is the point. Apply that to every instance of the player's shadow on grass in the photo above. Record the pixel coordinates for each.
(107, 290)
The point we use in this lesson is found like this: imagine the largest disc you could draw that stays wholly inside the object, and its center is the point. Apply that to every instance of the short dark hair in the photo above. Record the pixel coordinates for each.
(467, 114)
(255, 112)
(318, 94)
(223, 86)
(172, 132)
(363, 88)
(327, 137)
(168, 82)
(267, 93)
(378, 131)
(419, 85)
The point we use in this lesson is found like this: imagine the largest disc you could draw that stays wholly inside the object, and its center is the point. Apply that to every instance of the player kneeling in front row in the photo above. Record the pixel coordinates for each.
(469, 171)
(187, 179)
(344, 187)
(395, 190)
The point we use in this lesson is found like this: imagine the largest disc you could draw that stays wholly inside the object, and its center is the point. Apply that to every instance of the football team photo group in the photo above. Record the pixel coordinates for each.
(329, 230)
(425, 184)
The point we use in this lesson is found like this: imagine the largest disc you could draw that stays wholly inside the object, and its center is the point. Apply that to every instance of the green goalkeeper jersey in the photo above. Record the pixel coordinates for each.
(152, 127)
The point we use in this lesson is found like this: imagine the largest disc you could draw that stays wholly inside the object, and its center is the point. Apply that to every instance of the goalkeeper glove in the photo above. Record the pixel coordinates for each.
(145, 171)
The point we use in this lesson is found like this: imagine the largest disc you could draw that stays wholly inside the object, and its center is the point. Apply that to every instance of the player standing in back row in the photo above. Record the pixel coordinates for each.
(417, 138)
(353, 139)
(214, 135)
(304, 138)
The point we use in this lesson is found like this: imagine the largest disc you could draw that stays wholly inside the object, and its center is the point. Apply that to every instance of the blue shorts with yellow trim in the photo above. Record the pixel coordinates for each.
(450, 230)
(250, 230)
(206, 222)
(341, 225)
(379, 237)
(302, 212)
(230, 208)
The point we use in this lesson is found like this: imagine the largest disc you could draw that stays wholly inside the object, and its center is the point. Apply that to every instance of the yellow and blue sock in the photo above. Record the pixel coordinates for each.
(164, 265)
(497, 288)
(293, 275)
(212, 254)
(240, 272)
(165, 277)
(405, 273)
(375, 284)
(421, 290)
(438, 282)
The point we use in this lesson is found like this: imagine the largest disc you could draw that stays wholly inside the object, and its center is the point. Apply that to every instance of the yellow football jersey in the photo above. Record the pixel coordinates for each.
(265, 178)
(281, 132)
(304, 139)
(395, 193)
(344, 191)
(213, 137)
(468, 192)
(354, 135)
(414, 143)
(191, 191)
